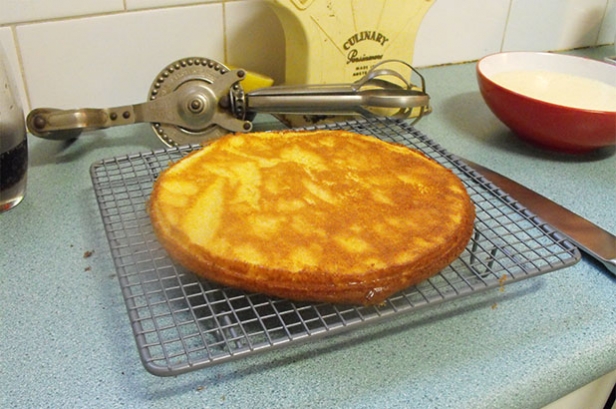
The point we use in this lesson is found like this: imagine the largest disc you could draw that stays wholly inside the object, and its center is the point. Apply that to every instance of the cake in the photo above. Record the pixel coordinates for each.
(322, 216)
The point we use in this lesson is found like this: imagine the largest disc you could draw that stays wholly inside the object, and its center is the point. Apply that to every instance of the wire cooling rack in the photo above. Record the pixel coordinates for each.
(182, 323)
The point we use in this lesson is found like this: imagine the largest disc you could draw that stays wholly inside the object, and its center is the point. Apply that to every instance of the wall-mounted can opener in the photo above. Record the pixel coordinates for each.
(196, 99)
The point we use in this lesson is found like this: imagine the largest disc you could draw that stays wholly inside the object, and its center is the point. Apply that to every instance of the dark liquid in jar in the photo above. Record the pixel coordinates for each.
(13, 165)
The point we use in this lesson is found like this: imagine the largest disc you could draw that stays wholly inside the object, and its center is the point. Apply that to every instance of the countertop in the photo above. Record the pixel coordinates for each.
(65, 338)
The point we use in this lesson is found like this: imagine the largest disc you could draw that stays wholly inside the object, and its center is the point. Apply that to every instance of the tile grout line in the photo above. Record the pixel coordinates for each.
(124, 10)
(603, 21)
(20, 66)
(506, 25)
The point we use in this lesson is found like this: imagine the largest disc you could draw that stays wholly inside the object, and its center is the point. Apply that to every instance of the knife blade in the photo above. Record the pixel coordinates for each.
(587, 236)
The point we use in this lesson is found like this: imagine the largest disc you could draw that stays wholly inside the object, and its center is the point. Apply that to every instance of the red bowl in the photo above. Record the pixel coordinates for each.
(547, 124)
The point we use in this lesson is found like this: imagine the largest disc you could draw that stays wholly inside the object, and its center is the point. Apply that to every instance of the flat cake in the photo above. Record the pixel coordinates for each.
(322, 215)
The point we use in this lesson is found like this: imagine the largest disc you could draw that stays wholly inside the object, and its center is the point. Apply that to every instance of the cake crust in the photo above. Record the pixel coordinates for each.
(329, 216)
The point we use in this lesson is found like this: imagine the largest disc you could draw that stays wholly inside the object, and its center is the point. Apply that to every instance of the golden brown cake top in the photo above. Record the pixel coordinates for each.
(322, 201)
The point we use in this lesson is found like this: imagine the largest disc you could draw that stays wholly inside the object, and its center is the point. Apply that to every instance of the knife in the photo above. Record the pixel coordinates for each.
(587, 236)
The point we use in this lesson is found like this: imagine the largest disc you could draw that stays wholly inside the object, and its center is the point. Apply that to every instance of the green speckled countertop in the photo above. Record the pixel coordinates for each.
(65, 338)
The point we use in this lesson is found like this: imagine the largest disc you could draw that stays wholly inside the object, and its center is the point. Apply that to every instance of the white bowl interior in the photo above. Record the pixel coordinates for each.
(563, 80)
(566, 64)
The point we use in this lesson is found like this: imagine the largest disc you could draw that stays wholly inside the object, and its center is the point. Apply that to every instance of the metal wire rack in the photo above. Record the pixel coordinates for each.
(182, 323)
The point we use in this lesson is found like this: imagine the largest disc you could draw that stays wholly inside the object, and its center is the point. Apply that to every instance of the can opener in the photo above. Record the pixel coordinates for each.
(195, 99)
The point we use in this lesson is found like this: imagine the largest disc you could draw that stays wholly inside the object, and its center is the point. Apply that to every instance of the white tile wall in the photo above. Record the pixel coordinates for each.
(7, 42)
(539, 25)
(143, 4)
(454, 31)
(608, 28)
(112, 60)
(16, 11)
(99, 53)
